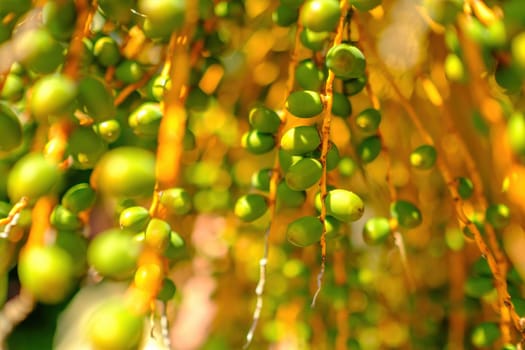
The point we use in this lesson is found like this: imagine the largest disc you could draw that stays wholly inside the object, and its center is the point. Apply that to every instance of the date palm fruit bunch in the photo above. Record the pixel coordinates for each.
(355, 163)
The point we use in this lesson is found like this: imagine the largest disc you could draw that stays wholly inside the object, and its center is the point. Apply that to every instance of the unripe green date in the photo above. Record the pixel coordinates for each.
(134, 219)
(176, 200)
(303, 174)
(250, 207)
(47, 273)
(365, 5)
(64, 220)
(285, 16)
(52, 96)
(376, 230)
(145, 120)
(162, 17)
(320, 15)
(125, 172)
(288, 198)
(423, 157)
(406, 214)
(344, 205)
(346, 61)
(258, 142)
(79, 198)
(32, 176)
(304, 104)
(96, 99)
(304, 231)
(85, 147)
(300, 140)
(113, 326)
(264, 120)
(10, 129)
(498, 215)
(309, 76)
(114, 254)
(369, 148)
(368, 120)
(106, 51)
(314, 41)
(39, 51)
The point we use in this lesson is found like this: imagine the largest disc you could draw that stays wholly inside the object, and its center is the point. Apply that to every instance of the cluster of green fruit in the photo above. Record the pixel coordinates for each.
(82, 105)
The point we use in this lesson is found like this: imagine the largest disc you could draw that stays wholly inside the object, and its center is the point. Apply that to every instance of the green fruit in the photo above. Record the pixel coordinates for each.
(261, 179)
(162, 17)
(286, 159)
(189, 141)
(176, 200)
(478, 286)
(314, 41)
(309, 76)
(485, 334)
(85, 147)
(52, 96)
(47, 273)
(108, 130)
(114, 254)
(106, 51)
(175, 248)
(145, 120)
(285, 16)
(454, 68)
(59, 17)
(134, 219)
(16, 6)
(376, 230)
(113, 326)
(443, 11)
(157, 234)
(369, 148)
(368, 120)
(304, 104)
(509, 78)
(320, 15)
(498, 215)
(117, 10)
(79, 198)
(96, 99)
(304, 231)
(125, 172)
(76, 246)
(303, 174)
(39, 51)
(344, 205)
(13, 89)
(406, 214)
(288, 198)
(129, 71)
(264, 120)
(167, 291)
(347, 166)
(354, 86)
(8, 251)
(251, 207)
(365, 5)
(157, 86)
(300, 140)
(341, 106)
(10, 129)
(465, 187)
(515, 132)
(32, 176)
(346, 61)
(64, 220)
(423, 157)
(518, 49)
(258, 142)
